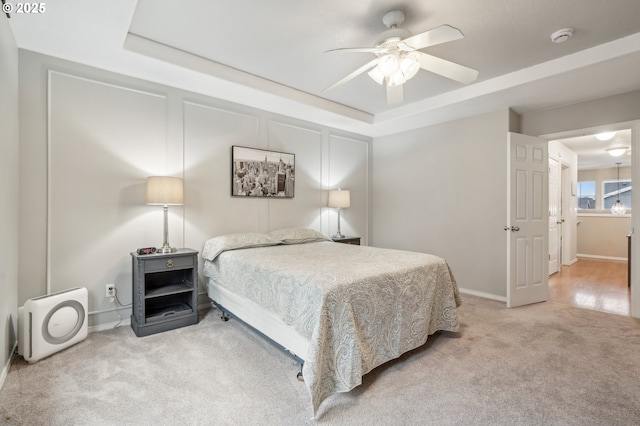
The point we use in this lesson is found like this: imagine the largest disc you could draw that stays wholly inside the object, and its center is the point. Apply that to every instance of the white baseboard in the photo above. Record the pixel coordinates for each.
(593, 256)
(7, 366)
(484, 295)
(110, 325)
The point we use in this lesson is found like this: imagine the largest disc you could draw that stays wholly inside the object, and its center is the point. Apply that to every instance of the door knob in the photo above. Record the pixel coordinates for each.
(515, 228)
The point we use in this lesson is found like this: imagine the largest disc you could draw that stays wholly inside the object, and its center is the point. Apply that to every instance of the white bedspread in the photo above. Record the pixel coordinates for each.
(359, 306)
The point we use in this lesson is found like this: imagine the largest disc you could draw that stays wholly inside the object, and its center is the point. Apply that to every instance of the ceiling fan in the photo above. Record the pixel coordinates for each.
(398, 58)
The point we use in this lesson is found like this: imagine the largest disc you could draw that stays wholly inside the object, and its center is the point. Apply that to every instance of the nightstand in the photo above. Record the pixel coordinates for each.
(165, 291)
(347, 240)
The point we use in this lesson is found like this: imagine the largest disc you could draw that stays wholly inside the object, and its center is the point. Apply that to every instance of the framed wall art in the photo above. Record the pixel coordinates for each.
(261, 173)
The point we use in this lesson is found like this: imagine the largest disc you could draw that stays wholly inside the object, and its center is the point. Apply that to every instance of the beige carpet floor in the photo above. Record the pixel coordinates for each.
(545, 364)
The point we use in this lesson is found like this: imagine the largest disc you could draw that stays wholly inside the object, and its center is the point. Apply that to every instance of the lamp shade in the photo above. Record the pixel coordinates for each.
(164, 190)
(339, 199)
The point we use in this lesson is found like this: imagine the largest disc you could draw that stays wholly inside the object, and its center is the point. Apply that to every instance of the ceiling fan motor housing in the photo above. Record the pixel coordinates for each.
(392, 20)
(392, 37)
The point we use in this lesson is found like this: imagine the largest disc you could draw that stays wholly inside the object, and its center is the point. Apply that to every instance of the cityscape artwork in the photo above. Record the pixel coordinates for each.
(260, 173)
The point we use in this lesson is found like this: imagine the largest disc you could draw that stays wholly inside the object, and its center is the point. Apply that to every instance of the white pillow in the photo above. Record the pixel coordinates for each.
(298, 236)
(214, 246)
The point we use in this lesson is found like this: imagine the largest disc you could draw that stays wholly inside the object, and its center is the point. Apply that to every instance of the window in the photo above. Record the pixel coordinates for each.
(611, 194)
(587, 195)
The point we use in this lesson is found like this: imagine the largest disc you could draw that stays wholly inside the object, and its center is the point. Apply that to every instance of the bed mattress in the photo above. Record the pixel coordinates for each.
(358, 306)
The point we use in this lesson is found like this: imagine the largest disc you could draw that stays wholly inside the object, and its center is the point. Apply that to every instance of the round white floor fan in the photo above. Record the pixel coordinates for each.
(48, 324)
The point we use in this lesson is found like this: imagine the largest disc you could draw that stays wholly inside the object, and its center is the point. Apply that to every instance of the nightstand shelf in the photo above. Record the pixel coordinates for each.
(347, 240)
(165, 291)
(186, 287)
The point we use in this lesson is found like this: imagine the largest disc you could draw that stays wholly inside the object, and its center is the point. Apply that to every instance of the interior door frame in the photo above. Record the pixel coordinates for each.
(558, 225)
(634, 125)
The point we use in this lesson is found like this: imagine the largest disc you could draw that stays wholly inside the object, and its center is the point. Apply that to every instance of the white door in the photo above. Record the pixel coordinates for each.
(554, 216)
(528, 228)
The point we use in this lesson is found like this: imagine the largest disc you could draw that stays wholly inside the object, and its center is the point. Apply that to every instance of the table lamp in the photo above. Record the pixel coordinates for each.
(165, 191)
(339, 199)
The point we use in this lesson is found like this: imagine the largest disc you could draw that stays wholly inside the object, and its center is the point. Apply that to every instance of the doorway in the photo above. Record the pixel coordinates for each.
(594, 274)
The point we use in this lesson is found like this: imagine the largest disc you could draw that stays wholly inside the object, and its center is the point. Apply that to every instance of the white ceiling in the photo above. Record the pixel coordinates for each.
(593, 154)
(271, 54)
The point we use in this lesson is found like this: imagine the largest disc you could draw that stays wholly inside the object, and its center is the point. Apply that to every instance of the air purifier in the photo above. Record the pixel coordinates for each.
(50, 323)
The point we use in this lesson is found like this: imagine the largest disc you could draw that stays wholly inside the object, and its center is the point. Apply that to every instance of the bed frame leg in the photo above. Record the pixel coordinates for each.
(300, 376)
(225, 316)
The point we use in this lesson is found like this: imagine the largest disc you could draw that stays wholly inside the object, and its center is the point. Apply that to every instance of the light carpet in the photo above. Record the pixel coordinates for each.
(544, 364)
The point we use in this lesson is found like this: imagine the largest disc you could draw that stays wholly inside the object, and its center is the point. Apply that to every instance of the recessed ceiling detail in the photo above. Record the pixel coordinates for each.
(274, 59)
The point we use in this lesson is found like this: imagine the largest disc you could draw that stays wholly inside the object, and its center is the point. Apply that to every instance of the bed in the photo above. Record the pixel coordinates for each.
(342, 309)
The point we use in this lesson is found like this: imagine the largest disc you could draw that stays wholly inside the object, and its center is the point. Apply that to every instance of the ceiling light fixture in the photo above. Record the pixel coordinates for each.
(562, 35)
(398, 57)
(617, 151)
(395, 68)
(605, 136)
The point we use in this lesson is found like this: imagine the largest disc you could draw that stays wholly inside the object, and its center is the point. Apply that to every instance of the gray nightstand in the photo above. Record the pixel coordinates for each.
(347, 240)
(165, 291)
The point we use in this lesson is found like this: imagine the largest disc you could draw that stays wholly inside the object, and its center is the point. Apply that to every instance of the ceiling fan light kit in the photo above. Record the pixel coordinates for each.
(376, 75)
(399, 59)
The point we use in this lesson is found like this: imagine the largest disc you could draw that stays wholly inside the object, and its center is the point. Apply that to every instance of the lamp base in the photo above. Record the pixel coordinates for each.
(338, 235)
(166, 249)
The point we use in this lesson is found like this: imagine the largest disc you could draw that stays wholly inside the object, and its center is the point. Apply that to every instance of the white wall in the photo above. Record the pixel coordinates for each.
(603, 236)
(8, 195)
(597, 112)
(443, 190)
(93, 138)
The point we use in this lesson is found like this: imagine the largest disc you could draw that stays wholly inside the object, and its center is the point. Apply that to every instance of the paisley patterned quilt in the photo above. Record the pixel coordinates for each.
(358, 306)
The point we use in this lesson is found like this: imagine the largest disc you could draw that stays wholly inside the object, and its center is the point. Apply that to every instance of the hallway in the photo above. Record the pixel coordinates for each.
(595, 284)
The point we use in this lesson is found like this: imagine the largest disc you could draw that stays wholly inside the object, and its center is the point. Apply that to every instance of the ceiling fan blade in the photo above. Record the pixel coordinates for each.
(395, 95)
(360, 49)
(441, 34)
(447, 69)
(365, 67)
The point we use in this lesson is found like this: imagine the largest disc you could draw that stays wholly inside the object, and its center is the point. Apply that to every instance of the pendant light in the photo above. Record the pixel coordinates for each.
(618, 208)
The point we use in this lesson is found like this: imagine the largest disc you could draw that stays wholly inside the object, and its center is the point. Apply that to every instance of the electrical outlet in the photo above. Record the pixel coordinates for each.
(110, 290)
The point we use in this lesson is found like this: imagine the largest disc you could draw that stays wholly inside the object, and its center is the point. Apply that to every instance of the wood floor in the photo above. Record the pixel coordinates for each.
(594, 284)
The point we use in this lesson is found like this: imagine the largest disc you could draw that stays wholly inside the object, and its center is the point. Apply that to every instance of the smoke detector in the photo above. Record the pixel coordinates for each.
(562, 35)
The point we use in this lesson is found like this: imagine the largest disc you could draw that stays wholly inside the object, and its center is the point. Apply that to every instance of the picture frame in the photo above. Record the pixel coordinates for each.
(260, 173)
